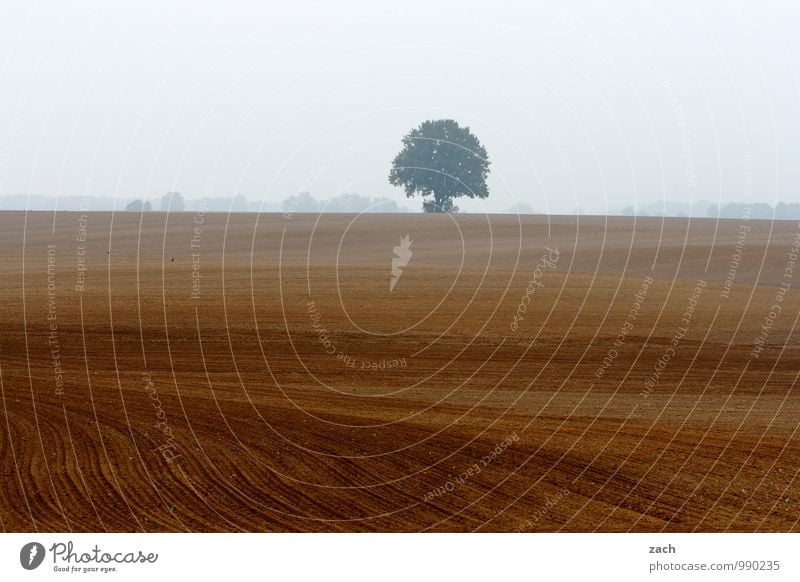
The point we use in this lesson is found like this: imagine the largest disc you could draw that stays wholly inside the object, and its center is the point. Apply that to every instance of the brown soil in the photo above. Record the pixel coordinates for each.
(248, 422)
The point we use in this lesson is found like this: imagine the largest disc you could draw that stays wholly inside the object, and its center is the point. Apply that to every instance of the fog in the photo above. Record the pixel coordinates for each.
(591, 105)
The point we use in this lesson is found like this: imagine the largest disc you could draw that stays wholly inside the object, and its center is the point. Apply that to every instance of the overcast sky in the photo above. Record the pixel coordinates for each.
(591, 104)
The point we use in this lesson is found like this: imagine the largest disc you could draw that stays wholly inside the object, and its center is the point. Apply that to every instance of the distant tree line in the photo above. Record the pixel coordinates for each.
(704, 208)
(305, 202)
(781, 211)
(302, 202)
(170, 202)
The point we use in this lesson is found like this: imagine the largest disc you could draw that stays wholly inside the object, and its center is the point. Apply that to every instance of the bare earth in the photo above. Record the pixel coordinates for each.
(296, 392)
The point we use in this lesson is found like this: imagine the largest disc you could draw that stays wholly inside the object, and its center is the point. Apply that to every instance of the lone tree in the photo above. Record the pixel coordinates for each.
(443, 160)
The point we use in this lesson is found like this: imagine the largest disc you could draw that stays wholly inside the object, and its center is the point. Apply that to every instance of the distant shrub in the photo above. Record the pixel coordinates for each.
(138, 206)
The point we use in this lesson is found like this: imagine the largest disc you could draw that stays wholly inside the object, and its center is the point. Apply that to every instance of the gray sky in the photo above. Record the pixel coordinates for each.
(590, 104)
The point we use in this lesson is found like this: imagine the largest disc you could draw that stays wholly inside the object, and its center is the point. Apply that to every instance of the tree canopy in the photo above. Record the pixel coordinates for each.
(441, 160)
